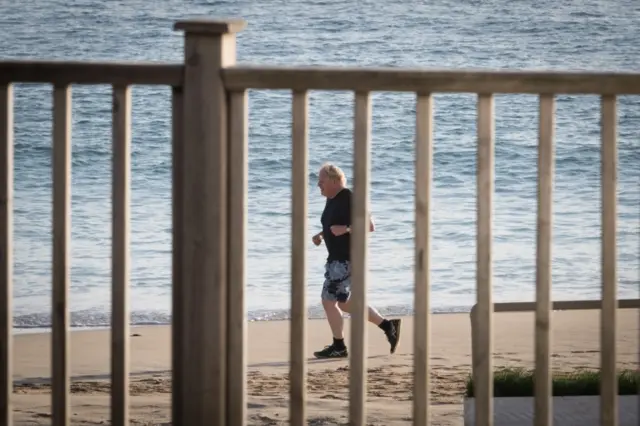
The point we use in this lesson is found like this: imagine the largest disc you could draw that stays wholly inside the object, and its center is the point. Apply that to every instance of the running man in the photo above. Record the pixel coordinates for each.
(336, 291)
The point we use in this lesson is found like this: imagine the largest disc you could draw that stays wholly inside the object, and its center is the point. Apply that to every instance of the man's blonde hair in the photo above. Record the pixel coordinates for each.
(334, 172)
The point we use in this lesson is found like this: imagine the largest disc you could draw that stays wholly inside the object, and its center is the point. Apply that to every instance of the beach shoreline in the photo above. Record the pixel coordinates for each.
(575, 345)
(314, 312)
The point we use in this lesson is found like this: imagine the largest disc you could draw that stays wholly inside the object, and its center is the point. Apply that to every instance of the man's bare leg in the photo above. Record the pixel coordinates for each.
(391, 328)
(334, 316)
(374, 315)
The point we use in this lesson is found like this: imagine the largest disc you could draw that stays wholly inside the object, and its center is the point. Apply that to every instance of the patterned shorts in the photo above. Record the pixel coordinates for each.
(337, 283)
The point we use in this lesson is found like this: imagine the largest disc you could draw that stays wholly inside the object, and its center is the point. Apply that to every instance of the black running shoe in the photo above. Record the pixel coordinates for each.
(332, 352)
(393, 334)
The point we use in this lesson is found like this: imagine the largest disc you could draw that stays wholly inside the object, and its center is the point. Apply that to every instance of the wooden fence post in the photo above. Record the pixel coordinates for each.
(209, 47)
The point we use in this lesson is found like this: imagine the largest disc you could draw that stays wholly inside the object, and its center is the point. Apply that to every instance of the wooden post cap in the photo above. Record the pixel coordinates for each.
(210, 26)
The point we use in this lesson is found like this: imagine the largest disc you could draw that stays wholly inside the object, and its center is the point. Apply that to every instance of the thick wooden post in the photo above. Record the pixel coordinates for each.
(209, 47)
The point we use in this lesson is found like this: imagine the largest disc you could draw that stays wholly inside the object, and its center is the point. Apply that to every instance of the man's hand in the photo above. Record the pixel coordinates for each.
(317, 239)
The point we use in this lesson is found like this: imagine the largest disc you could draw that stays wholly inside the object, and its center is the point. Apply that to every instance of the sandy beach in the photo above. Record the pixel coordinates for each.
(576, 340)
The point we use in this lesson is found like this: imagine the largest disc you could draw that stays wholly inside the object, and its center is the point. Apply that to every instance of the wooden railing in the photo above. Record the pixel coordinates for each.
(210, 199)
(61, 74)
(543, 408)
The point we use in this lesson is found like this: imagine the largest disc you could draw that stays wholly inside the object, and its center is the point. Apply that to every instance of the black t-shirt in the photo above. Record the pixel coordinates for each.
(337, 211)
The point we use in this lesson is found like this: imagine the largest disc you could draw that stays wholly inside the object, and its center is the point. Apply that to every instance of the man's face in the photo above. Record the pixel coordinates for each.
(324, 183)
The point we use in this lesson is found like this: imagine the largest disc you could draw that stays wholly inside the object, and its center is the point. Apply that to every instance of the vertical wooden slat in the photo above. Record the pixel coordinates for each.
(60, 256)
(483, 370)
(177, 315)
(424, 172)
(543, 401)
(300, 182)
(120, 257)
(609, 388)
(359, 256)
(237, 334)
(6, 251)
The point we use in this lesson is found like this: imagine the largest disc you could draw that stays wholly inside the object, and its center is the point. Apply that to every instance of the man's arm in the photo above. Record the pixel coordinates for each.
(345, 216)
(338, 230)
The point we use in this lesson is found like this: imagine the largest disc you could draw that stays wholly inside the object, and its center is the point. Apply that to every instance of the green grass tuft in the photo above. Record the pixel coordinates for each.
(520, 382)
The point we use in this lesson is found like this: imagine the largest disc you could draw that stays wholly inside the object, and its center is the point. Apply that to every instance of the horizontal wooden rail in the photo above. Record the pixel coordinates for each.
(325, 78)
(429, 81)
(561, 305)
(91, 72)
